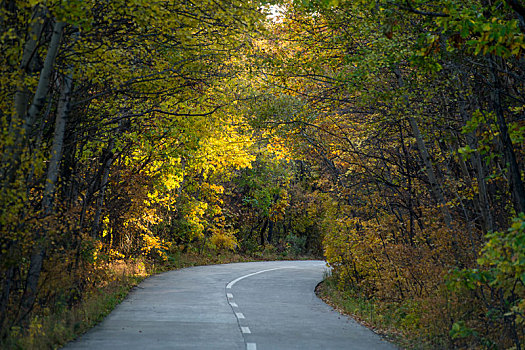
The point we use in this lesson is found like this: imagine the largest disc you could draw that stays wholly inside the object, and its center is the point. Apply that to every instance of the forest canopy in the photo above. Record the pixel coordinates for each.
(386, 137)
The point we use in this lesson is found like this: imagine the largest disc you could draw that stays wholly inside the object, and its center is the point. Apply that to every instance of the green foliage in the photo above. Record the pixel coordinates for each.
(295, 245)
(504, 254)
(501, 272)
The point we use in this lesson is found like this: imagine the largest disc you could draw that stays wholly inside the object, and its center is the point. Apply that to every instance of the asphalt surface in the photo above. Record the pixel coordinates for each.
(245, 306)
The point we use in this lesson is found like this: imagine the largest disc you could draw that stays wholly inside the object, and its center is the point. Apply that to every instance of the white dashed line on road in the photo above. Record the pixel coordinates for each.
(239, 315)
(229, 285)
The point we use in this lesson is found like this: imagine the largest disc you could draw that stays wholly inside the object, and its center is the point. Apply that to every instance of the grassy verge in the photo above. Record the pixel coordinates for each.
(54, 329)
(179, 260)
(388, 319)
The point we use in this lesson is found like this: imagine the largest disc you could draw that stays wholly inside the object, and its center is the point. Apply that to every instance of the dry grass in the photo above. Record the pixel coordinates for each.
(382, 318)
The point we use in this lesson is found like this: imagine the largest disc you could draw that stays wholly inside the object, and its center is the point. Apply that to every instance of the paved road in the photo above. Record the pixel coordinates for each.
(246, 306)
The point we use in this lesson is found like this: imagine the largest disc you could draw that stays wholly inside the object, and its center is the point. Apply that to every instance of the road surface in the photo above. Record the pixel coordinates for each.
(245, 306)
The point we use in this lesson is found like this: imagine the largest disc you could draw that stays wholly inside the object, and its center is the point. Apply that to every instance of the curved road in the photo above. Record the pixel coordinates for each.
(245, 306)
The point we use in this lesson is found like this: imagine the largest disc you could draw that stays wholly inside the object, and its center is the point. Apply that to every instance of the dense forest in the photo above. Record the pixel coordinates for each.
(387, 137)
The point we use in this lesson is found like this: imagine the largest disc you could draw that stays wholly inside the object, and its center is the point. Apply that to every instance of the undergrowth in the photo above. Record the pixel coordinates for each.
(52, 330)
(388, 319)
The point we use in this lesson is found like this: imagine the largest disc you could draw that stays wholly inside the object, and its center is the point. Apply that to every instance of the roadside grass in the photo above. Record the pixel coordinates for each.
(391, 320)
(53, 329)
(177, 259)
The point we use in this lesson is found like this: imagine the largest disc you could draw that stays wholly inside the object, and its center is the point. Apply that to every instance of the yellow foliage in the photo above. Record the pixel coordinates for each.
(152, 244)
(223, 238)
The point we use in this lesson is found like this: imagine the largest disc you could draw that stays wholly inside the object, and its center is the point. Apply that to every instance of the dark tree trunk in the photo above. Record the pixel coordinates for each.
(39, 250)
(263, 229)
(516, 184)
(270, 231)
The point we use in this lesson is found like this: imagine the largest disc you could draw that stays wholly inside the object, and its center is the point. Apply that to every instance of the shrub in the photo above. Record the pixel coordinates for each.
(497, 288)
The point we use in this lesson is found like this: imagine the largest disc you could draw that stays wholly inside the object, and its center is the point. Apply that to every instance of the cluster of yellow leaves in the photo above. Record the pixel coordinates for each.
(224, 238)
(374, 257)
(152, 244)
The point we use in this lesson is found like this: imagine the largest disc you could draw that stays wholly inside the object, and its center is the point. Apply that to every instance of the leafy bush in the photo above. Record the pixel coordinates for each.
(497, 287)
(295, 245)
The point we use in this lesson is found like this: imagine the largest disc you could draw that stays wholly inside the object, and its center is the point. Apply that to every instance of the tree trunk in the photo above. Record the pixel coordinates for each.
(45, 76)
(480, 176)
(4, 301)
(434, 185)
(58, 144)
(28, 64)
(270, 231)
(22, 95)
(103, 183)
(39, 251)
(263, 229)
(516, 184)
(13, 155)
(425, 157)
